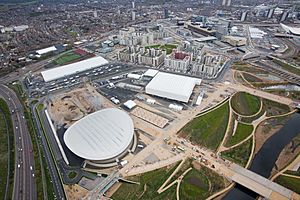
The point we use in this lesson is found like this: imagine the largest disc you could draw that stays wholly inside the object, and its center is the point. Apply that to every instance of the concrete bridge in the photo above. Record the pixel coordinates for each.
(259, 184)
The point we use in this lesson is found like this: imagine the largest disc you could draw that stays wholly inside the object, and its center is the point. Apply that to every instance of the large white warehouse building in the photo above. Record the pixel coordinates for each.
(172, 86)
(102, 136)
(73, 68)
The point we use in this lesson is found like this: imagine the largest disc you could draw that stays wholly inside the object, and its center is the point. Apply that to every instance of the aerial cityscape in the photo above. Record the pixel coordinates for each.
(150, 99)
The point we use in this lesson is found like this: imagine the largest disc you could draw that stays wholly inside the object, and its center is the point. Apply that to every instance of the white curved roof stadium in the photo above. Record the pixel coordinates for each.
(292, 30)
(101, 135)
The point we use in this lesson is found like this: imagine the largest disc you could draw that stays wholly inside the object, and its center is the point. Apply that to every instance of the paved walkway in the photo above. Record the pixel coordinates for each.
(154, 166)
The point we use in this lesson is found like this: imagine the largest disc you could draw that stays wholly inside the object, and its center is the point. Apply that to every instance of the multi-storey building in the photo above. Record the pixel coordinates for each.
(208, 64)
(141, 55)
(178, 60)
(152, 57)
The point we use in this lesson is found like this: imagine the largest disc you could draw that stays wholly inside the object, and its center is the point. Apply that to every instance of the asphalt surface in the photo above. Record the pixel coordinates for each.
(54, 173)
(24, 180)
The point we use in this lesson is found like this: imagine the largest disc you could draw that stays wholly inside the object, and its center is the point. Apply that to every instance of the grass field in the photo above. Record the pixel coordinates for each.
(150, 182)
(200, 184)
(195, 185)
(241, 133)
(6, 133)
(251, 119)
(239, 154)
(274, 108)
(3, 154)
(50, 188)
(289, 182)
(250, 78)
(167, 47)
(296, 173)
(66, 58)
(208, 130)
(72, 174)
(245, 104)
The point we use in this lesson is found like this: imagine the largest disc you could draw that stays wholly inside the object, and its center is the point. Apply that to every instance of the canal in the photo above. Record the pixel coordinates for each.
(265, 159)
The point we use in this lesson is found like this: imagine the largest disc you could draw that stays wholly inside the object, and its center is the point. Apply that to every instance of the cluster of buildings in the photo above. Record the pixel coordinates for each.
(142, 55)
(13, 28)
(129, 36)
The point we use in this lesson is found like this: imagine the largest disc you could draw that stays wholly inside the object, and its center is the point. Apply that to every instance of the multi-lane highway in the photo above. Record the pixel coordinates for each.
(24, 177)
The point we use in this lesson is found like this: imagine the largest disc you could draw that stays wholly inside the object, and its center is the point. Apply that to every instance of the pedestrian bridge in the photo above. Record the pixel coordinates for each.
(260, 184)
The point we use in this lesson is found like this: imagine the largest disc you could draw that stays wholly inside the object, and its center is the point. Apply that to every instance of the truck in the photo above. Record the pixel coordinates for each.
(123, 163)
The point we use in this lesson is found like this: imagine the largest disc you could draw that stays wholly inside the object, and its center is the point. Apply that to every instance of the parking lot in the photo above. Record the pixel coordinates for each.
(37, 86)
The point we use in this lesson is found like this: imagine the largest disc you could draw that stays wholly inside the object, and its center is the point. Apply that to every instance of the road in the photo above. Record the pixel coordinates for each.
(24, 180)
(54, 173)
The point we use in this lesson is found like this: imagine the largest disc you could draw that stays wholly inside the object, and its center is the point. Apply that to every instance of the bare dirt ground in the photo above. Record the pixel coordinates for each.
(113, 189)
(67, 108)
(266, 129)
(75, 192)
(263, 133)
(288, 154)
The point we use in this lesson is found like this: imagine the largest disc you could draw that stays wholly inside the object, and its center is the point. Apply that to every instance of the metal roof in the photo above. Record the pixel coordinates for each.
(101, 135)
(293, 30)
(66, 70)
(150, 72)
(172, 86)
(46, 50)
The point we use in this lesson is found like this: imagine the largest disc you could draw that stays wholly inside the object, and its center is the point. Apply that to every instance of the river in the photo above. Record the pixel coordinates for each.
(265, 159)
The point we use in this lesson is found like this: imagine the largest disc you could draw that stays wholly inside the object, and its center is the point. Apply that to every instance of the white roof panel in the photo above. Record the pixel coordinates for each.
(46, 50)
(150, 72)
(293, 30)
(130, 104)
(101, 135)
(172, 86)
(66, 70)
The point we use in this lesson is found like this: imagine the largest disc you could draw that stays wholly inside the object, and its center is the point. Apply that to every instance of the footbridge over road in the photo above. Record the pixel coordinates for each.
(259, 184)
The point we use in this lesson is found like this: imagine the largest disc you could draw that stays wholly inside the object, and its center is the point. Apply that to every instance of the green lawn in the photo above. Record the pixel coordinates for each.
(66, 58)
(250, 78)
(195, 185)
(72, 174)
(151, 182)
(289, 182)
(239, 154)
(241, 133)
(6, 127)
(274, 108)
(3, 154)
(200, 184)
(167, 47)
(296, 173)
(245, 104)
(208, 130)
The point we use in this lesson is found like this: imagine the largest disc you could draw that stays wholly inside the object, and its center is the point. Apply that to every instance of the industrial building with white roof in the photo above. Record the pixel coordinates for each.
(67, 70)
(172, 86)
(103, 136)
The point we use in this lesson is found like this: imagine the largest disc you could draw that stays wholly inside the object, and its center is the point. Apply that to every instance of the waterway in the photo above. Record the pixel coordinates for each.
(289, 87)
(265, 159)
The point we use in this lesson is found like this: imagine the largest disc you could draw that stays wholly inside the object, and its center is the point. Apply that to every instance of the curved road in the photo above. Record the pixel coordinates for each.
(24, 180)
